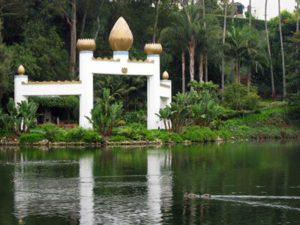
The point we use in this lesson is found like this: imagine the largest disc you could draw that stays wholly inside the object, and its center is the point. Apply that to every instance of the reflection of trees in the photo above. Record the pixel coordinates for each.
(231, 168)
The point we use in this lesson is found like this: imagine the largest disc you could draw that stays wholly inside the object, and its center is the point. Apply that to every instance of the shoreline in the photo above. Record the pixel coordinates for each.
(132, 143)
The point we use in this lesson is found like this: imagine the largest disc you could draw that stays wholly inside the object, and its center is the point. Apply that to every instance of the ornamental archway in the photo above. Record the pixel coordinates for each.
(120, 40)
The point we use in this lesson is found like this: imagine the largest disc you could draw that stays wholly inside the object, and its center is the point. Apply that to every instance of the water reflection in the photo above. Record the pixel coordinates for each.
(159, 183)
(86, 191)
(66, 188)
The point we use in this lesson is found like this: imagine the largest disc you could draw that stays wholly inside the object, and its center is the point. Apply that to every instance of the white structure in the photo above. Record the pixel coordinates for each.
(120, 40)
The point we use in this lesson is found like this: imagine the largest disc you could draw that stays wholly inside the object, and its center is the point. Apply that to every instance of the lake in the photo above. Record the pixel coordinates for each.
(250, 183)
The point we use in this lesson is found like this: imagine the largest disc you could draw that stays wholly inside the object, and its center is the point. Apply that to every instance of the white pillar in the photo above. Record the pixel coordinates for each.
(87, 91)
(153, 96)
(19, 97)
(86, 191)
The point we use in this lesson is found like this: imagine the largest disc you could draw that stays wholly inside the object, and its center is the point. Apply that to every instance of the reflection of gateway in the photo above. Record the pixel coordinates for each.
(48, 195)
(159, 184)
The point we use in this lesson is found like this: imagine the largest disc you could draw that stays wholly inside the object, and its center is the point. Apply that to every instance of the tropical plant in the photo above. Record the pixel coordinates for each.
(105, 113)
(269, 52)
(165, 114)
(19, 118)
(237, 97)
(27, 115)
(206, 106)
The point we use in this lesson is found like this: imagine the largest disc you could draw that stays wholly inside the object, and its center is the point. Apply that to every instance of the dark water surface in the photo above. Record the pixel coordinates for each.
(250, 183)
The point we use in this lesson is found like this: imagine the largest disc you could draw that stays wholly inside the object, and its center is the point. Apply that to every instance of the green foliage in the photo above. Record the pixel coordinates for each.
(30, 138)
(91, 136)
(196, 134)
(19, 118)
(117, 138)
(205, 107)
(5, 60)
(53, 133)
(237, 97)
(105, 113)
(137, 116)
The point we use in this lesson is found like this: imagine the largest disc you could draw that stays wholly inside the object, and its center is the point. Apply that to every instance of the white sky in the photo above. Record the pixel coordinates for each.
(258, 7)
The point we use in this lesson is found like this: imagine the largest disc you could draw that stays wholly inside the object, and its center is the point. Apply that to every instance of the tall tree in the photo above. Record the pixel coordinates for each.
(4, 66)
(179, 39)
(282, 51)
(297, 15)
(157, 5)
(250, 13)
(225, 2)
(269, 51)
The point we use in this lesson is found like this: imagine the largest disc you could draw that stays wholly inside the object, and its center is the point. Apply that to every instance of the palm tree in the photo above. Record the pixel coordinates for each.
(223, 43)
(235, 48)
(269, 51)
(192, 17)
(282, 51)
(254, 55)
(297, 15)
(175, 36)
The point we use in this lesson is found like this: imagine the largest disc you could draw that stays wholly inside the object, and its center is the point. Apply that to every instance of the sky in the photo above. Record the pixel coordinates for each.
(258, 7)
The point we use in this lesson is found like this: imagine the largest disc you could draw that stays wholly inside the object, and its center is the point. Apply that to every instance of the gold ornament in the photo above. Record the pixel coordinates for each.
(120, 37)
(86, 44)
(165, 75)
(153, 48)
(21, 70)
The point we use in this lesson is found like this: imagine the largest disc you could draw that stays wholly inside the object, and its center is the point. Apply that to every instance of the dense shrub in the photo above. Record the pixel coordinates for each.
(31, 137)
(170, 137)
(196, 134)
(91, 136)
(53, 133)
(80, 134)
(118, 138)
(238, 97)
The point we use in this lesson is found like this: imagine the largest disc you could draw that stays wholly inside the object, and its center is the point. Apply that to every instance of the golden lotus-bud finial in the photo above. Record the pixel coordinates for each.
(120, 37)
(153, 48)
(86, 44)
(21, 70)
(165, 75)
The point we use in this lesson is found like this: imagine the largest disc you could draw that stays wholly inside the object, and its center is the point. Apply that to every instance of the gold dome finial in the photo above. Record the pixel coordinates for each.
(21, 70)
(86, 44)
(165, 75)
(120, 37)
(153, 48)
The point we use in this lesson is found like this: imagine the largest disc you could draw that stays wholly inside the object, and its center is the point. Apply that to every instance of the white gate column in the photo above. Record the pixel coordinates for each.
(153, 86)
(86, 77)
(18, 81)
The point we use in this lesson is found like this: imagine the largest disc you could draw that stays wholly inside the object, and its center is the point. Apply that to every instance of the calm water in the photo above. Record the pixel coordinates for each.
(255, 184)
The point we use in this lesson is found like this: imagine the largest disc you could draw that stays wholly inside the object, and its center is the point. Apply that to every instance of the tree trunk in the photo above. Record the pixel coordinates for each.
(206, 67)
(250, 13)
(269, 52)
(156, 20)
(183, 70)
(223, 42)
(192, 47)
(282, 53)
(238, 74)
(84, 18)
(73, 33)
(201, 68)
(297, 15)
(249, 78)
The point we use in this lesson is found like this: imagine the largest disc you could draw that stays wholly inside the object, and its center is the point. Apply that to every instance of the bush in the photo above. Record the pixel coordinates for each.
(91, 136)
(237, 97)
(170, 137)
(53, 133)
(196, 134)
(118, 138)
(75, 134)
(31, 137)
